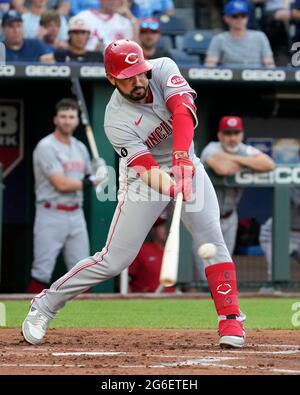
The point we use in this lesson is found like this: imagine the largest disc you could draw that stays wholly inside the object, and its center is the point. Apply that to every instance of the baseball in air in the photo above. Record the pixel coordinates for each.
(207, 251)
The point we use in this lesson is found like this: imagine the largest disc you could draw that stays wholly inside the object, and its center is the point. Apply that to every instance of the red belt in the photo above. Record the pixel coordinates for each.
(62, 206)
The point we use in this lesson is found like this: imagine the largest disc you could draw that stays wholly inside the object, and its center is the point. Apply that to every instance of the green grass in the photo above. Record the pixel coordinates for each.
(261, 314)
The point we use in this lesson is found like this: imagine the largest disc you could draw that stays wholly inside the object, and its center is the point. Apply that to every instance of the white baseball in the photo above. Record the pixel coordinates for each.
(207, 251)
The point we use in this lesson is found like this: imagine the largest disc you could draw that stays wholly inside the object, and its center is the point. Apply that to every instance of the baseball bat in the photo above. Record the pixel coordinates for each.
(169, 266)
(77, 91)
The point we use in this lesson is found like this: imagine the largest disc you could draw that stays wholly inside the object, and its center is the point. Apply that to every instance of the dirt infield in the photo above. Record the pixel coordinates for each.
(148, 351)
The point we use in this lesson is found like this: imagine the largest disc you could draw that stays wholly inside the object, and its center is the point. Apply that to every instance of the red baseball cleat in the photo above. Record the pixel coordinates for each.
(231, 332)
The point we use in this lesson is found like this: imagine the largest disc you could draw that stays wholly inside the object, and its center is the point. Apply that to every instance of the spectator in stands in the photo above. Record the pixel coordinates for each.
(83, 5)
(79, 33)
(239, 46)
(31, 19)
(144, 272)
(126, 9)
(19, 49)
(149, 37)
(295, 15)
(265, 236)
(277, 15)
(151, 8)
(107, 24)
(49, 31)
(277, 9)
(4, 7)
(62, 6)
(226, 158)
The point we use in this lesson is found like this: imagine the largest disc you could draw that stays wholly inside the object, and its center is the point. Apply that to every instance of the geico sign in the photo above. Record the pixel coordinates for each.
(297, 75)
(92, 71)
(211, 74)
(281, 175)
(47, 71)
(7, 71)
(263, 75)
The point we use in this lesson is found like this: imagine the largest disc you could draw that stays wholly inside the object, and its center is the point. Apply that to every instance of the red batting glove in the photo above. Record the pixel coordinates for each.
(183, 170)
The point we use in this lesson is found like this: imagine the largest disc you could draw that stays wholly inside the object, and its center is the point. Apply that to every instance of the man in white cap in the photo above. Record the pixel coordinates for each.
(79, 34)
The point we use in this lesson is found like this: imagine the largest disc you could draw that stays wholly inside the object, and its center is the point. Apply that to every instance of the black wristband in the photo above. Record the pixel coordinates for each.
(86, 182)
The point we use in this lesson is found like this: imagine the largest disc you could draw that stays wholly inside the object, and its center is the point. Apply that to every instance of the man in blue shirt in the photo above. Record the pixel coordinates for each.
(295, 11)
(19, 49)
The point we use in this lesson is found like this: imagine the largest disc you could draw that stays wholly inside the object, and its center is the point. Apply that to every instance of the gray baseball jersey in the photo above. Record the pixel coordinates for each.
(134, 130)
(52, 156)
(265, 234)
(58, 230)
(228, 197)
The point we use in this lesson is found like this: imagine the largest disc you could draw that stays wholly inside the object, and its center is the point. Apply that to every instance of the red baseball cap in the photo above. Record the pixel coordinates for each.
(230, 123)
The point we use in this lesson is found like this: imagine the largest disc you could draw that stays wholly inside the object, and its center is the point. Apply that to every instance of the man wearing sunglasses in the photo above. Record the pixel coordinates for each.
(149, 34)
(226, 158)
(239, 46)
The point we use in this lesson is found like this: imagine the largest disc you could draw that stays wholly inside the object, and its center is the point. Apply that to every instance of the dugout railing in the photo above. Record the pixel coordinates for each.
(281, 180)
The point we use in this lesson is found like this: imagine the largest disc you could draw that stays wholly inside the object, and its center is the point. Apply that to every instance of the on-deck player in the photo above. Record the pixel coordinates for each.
(62, 169)
(149, 120)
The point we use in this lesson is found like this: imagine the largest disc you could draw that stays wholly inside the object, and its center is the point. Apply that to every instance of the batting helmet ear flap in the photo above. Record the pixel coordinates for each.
(149, 74)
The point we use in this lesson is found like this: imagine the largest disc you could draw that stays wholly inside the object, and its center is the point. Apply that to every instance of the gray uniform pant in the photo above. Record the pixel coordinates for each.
(56, 231)
(265, 239)
(229, 228)
(130, 225)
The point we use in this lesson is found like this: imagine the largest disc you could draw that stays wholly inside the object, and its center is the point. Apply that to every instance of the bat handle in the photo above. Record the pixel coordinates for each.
(92, 142)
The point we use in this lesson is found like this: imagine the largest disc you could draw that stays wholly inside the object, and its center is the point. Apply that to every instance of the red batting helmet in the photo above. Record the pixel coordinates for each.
(124, 59)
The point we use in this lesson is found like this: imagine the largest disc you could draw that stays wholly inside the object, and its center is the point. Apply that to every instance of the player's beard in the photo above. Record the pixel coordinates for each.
(231, 149)
(135, 97)
(65, 130)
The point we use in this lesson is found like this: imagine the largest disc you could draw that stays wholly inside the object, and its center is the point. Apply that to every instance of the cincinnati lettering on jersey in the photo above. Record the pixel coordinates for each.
(160, 133)
(75, 165)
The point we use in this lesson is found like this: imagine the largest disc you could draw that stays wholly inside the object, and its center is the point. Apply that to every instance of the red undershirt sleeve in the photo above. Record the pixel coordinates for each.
(184, 114)
(144, 163)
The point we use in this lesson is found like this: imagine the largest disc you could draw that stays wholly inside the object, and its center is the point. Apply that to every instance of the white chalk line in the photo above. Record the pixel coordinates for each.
(40, 365)
(209, 362)
(87, 353)
(192, 361)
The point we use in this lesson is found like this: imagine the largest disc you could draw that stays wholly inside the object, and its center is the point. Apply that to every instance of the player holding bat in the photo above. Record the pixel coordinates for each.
(150, 122)
(62, 169)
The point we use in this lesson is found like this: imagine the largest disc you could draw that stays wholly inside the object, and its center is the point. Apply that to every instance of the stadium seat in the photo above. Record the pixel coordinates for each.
(165, 42)
(172, 25)
(197, 41)
(182, 59)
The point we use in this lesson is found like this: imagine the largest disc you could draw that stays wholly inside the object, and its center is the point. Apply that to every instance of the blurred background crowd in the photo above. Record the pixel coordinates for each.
(192, 32)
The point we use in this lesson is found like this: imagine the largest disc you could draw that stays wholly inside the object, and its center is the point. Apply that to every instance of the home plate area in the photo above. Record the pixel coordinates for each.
(149, 351)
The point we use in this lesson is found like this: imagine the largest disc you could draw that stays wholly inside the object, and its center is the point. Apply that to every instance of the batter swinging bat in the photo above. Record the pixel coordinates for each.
(76, 89)
(169, 267)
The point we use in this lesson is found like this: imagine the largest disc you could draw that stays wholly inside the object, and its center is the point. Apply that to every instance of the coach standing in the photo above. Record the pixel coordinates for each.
(62, 169)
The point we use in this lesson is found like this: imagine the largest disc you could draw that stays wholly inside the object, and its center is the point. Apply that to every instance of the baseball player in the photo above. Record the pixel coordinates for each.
(144, 271)
(265, 235)
(62, 168)
(226, 157)
(150, 122)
